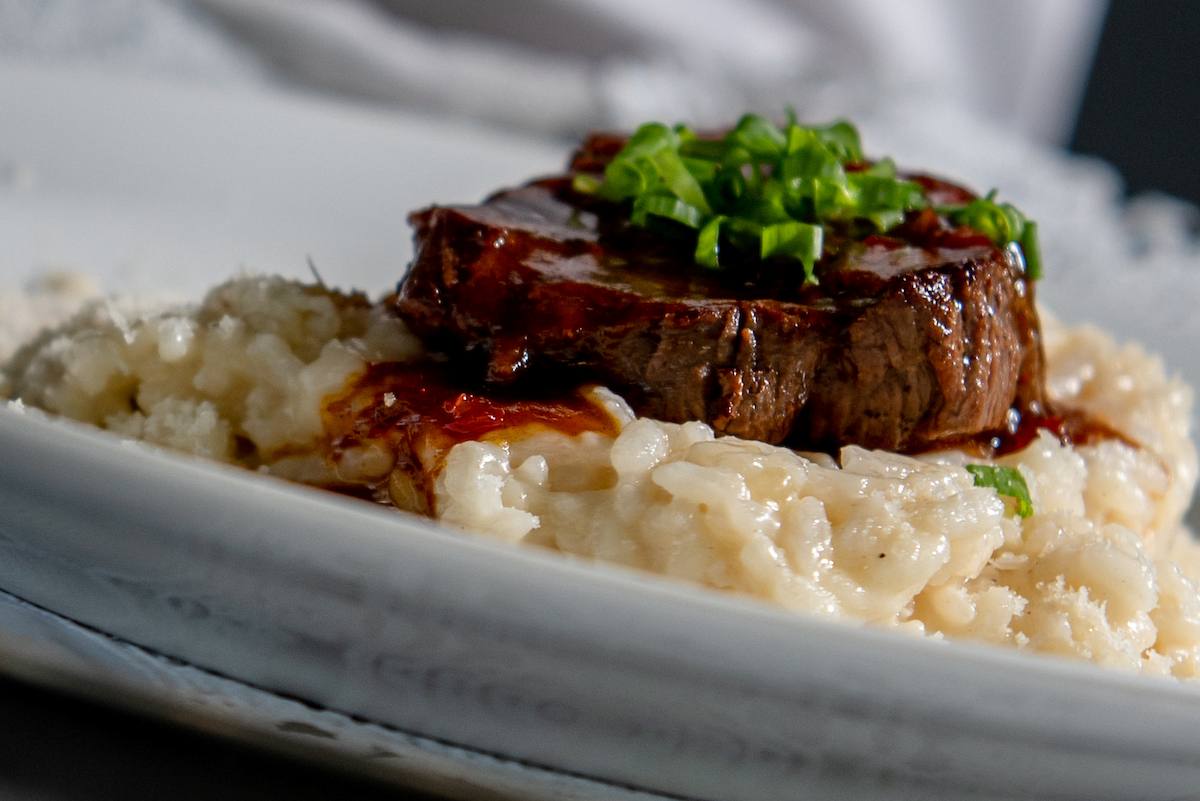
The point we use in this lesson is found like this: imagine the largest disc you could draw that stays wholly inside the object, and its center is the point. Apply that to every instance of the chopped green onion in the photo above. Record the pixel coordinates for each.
(585, 183)
(834, 200)
(1002, 223)
(768, 192)
(885, 168)
(649, 139)
(879, 193)
(1031, 251)
(759, 136)
(1006, 481)
(708, 243)
(796, 240)
(678, 180)
(842, 138)
(705, 172)
(667, 207)
(625, 178)
(885, 220)
(811, 162)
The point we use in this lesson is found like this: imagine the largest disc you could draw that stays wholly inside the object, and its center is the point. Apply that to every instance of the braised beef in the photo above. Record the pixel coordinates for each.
(923, 337)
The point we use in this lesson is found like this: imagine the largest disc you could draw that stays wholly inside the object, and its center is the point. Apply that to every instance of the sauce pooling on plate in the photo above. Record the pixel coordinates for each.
(414, 414)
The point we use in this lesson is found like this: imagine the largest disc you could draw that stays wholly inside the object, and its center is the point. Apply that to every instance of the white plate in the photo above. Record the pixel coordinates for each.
(535, 674)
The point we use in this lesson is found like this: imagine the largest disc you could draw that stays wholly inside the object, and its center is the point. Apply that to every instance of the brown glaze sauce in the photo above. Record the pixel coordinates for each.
(404, 405)
(417, 412)
(1069, 426)
(584, 239)
(390, 398)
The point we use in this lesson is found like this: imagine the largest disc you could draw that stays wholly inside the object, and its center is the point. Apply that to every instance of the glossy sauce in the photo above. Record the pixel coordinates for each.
(1072, 427)
(393, 402)
(418, 412)
(550, 230)
(1069, 426)
(393, 397)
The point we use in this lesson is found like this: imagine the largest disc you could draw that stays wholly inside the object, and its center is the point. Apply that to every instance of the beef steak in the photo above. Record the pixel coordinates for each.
(921, 338)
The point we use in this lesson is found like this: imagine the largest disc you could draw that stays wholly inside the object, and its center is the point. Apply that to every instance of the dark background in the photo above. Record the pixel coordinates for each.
(56, 748)
(1142, 104)
(1140, 111)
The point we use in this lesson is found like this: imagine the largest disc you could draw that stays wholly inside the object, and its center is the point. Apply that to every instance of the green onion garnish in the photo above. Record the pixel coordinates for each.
(762, 192)
(1032, 251)
(1006, 481)
(1003, 223)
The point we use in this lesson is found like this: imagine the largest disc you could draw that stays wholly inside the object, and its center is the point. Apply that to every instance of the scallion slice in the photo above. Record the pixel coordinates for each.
(667, 207)
(1006, 481)
(796, 240)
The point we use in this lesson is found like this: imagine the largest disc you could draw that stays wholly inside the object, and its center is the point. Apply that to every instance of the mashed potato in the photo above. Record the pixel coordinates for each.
(1098, 572)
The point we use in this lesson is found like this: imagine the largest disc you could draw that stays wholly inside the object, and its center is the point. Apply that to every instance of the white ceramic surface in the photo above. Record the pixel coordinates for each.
(40, 646)
(585, 671)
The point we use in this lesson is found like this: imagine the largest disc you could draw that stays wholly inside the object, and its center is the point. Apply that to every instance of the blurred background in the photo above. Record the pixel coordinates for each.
(1004, 91)
(1112, 79)
(1141, 99)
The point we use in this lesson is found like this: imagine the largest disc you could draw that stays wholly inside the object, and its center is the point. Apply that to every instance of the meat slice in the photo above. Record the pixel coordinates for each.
(914, 340)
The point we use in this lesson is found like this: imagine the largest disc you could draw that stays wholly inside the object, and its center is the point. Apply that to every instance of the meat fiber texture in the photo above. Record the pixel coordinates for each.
(903, 345)
(1102, 571)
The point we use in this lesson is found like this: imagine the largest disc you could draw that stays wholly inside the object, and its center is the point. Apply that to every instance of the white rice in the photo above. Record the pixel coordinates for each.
(1100, 572)
(241, 377)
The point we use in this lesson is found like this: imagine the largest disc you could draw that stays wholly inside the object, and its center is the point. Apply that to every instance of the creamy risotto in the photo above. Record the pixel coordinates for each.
(1098, 572)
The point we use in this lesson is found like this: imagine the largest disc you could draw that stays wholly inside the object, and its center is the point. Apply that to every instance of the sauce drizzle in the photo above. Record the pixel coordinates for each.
(414, 413)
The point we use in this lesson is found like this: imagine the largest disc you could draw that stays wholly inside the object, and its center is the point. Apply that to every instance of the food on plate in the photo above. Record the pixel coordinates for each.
(581, 364)
(920, 336)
